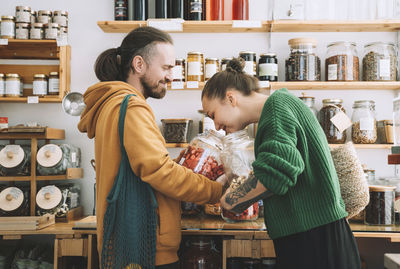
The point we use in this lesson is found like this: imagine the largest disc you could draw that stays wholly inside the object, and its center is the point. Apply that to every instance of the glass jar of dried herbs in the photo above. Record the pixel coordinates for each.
(379, 62)
(303, 63)
(342, 63)
(364, 129)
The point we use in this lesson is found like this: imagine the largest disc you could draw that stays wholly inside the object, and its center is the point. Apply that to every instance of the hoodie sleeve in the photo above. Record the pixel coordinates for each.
(150, 160)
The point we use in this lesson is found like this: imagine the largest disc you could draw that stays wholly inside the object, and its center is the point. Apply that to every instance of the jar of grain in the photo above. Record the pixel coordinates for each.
(51, 30)
(39, 85)
(342, 63)
(23, 14)
(44, 16)
(13, 85)
(7, 27)
(364, 129)
(212, 67)
(37, 31)
(195, 68)
(61, 17)
(380, 62)
(22, 30)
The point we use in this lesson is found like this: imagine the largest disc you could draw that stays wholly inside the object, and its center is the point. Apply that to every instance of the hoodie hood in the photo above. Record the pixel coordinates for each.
(96, 97)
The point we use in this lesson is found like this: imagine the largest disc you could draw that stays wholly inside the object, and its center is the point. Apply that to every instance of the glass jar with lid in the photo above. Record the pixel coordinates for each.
(303, 63)
(54, 83)
(7, 27)
(201, 254)
(380, 62)
(33, 16)
(44, 16)
(39, 84)
(37, 31)
(330, 108)
(203, 157)
(310, 102)
(51, 30)
(224, 62)
(13, 85)
(22, 30)
(364, 129)
(178, 71)
(250, 62)
(268, 67)
(60, 17)
(195, 66)
(2, 85)
(211, 67)
(380, 209)
(342, 63)
(23, 14)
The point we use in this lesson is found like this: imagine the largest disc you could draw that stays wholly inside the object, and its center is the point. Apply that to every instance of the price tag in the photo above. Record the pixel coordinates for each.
(3, 41)
(263, 84)
(33, 100)
(73, 157)
(246, 24)
(192, 85)
(62, 41)
(172, 25)
(177, 85)
(341, 121)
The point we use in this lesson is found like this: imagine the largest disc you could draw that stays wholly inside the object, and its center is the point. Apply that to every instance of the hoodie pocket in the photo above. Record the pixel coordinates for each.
(170, 224)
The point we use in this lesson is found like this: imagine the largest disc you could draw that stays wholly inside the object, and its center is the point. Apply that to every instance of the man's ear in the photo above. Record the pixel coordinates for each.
(138, 64)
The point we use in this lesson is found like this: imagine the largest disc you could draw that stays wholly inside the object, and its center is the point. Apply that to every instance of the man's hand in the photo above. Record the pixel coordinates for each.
(177, 159)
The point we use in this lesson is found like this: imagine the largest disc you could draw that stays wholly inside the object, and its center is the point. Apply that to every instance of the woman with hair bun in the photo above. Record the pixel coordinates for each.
(293, 172)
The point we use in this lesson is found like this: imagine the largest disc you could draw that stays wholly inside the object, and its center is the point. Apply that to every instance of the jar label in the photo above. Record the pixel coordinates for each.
(74, 199)
(43, 19)
(310, 67)
(332, 72)
(13, 87)
(177, 85)
(7, 28)
(21, 33)
(367, 124)
(2, 87)
(40, 87)
(249, 68)
(194, 69)
(36, 33)
(23, 16)
(177, 72)
(196, 7)
(61, 20)
(54, 85)
(211, 69)
(268, 69)
(51, 33)
(341, 121)
(384, 68)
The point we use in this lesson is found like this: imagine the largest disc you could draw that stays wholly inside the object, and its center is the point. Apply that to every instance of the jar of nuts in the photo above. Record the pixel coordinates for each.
(364, 123)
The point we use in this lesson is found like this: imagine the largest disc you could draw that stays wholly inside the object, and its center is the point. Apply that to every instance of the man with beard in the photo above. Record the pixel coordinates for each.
(141, 66)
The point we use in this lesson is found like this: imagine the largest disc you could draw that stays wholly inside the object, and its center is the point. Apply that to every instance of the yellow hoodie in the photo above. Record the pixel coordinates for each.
(149, 160)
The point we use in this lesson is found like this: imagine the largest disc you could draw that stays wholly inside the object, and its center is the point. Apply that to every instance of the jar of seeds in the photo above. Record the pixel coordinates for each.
(303, 63)
(379, 62)
(342, 62)
(364, 123)
(330, 108)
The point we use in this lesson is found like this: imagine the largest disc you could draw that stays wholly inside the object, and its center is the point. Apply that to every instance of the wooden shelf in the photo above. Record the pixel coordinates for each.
(55, 99)
(50, 133)
(177, 145)
(366, 146)
(72, 173)
(274, 26)
(330, 85)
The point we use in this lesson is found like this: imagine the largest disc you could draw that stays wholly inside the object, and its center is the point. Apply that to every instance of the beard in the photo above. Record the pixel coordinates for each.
(153, 89)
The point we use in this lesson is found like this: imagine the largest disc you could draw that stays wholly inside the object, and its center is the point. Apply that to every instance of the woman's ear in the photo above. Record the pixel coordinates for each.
(231, 98)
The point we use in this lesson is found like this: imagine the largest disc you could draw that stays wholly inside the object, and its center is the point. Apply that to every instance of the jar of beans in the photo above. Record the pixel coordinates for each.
(342, 63)
(379, 62)
(303, 63)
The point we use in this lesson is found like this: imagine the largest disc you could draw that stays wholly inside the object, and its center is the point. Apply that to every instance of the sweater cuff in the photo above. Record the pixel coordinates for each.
(216, 192)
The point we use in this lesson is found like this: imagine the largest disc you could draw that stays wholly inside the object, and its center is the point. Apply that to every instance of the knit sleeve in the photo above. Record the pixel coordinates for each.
(278, 162)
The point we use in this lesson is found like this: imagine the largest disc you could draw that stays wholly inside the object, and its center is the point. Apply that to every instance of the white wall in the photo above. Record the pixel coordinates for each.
(88, 41)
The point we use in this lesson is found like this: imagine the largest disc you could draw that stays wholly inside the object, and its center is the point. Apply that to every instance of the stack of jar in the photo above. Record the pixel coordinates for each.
(29, 24)
(12, 85)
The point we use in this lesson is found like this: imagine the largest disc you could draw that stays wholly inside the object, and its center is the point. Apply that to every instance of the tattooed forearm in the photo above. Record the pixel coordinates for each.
(249, 184)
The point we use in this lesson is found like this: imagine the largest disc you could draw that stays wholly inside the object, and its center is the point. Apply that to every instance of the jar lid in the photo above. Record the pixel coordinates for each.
(247, 52)
(60, 12)
(7, 17)
(53, 73)
(48, 197)
(23, 8)
(44, 12)
(345, 43)
(379, 43)
(376, 188)
(269, 54)
(38, 24)
(22, 24)
(176, 120)
(51, 25)
(11, 198)
(302, 41)
(362, 103)
(212, 59)
(39, 76)
(334, 101)
(49, 155)
(195, 53)
(11, 156)
(10, 75)
(179, 60)
(305, 97)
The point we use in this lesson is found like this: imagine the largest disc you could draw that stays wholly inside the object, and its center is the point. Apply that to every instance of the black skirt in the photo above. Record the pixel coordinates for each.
(331, 246)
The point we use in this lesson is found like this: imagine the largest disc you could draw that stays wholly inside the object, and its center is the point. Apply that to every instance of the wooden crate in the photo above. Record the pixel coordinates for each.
(26, 223)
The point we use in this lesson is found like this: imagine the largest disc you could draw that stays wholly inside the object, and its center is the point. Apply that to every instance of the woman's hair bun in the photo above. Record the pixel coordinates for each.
(235, 65)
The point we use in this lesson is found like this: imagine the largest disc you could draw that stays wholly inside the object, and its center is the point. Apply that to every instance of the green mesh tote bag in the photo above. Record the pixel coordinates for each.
(130, 221)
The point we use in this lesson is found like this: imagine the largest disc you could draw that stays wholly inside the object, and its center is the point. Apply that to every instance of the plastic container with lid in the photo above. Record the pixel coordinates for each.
(310, 102)
(380, 210)
(44, 16)
(211, 67)
(201, 255)
(51, 30)
(54, 84)
(195, 66)
(14, 201)
(55, 159)
(176, 130)
(342, 63)
(250, 62)
(22, 30)
(61, 17)
(303, 63)
(2, 85)
(268, 67)
(380, 62)
(7, 27)
(23, 14)
(364, 129)
(37, 31)
(332, 107)
(15, 160)
(39, 85)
